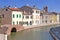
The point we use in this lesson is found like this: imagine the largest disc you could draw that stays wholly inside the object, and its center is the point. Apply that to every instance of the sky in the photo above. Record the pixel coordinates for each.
(53, 5)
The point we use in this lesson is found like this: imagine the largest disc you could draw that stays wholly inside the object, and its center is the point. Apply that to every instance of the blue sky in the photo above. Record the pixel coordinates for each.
(53, 5)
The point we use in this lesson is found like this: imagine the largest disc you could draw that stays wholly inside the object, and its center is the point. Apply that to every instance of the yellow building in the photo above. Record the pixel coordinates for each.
(54, 17)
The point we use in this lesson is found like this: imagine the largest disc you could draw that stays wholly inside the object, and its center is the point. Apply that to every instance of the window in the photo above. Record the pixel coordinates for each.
(46, 17)
(17, 22)
(45, 21)
(37, 11)
(37, 21)
(13, 15)
(23, 17)
(41, 14)
(31, 16)
(6, 9)
(13, 22)
(20, 22)
(30, 22)
(25, 23)
(50, 21)
(27, 17)
(17, 16)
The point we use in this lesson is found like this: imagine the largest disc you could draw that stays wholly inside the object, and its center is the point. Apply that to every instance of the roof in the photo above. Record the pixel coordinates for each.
(4, 10)
(50, 13)
(27, 10)
(53, 13)
(14, 9)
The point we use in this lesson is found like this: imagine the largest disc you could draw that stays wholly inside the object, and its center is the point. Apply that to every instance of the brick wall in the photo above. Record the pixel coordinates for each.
(7, 17)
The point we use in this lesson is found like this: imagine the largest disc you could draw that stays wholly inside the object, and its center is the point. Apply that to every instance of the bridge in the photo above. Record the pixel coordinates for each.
(7, 29)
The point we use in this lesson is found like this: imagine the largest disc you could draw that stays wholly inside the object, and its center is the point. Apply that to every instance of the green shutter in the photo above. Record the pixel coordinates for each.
(17, 15)
(17, 22)
(13, 22)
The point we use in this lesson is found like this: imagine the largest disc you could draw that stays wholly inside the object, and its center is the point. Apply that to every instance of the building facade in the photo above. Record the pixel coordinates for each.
(27, 16)
(36, 16)
(16, 17)
(27, 20)
(12, 16)
(58, 17)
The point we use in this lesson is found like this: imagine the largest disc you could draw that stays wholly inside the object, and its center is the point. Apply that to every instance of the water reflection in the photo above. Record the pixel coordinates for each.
(41, 33)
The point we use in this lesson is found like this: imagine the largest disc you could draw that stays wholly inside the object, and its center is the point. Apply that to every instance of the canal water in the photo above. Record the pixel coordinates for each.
(41, 33)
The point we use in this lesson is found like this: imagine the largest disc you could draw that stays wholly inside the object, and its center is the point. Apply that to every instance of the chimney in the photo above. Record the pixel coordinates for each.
(45, 9)
(7, 7)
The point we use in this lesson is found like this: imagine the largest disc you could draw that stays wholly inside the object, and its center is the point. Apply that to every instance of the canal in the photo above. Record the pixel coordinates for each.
(41, 33)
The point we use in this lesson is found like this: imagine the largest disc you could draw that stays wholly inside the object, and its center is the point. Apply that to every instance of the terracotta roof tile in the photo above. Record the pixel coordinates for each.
(14, 9)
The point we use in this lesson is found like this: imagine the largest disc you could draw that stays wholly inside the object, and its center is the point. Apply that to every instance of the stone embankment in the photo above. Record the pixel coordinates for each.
(39, 25)
(8, 30)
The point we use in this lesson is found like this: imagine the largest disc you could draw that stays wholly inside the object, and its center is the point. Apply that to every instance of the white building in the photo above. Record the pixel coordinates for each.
(16, 17)
(36, 16)
(27, 16)
(27, 20)
(58, 17)
(46, 18)
(12, 16)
